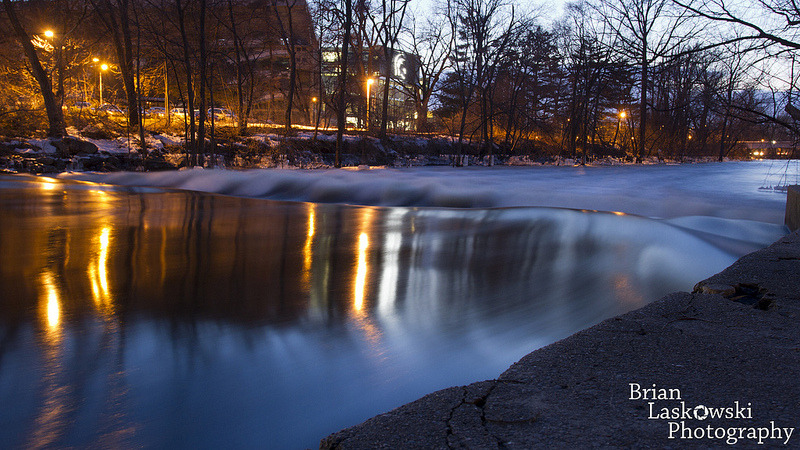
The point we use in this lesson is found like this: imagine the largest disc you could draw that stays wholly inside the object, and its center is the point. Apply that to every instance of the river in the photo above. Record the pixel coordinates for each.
(148, 316)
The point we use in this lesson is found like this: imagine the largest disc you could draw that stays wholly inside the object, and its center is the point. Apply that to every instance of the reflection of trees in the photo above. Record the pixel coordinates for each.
(93, 262)
(188, 256)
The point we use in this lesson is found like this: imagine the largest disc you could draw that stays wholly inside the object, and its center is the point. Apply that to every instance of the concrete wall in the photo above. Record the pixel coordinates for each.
(793, 208)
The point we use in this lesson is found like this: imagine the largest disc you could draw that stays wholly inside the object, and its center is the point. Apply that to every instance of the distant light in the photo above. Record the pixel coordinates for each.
(622, 114)
(104, 67)
(48, 33)
(370, 81)
(314, 99)
(98, 60)
(773, 142)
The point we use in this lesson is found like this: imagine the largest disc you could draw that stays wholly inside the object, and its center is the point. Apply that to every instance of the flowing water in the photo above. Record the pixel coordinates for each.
(138, 316)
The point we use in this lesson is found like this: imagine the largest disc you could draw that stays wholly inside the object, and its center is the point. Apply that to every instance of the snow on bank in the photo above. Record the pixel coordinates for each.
(723, 190)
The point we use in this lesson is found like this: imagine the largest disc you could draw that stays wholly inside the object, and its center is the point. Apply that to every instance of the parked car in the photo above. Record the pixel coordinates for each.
(221, 113)
(156, 111)
(181, 112)
(111, 110)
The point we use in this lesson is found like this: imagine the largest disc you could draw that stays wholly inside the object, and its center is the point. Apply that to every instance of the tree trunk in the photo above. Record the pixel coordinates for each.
(55, 116)
(287, 33)
(389, 56)
(201, 129)
(126, 66)
(341, 113)
(187, 63)
(643, 105)
(237, 51)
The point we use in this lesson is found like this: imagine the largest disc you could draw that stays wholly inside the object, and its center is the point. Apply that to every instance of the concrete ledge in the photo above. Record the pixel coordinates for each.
(793, 208)
(736, 338)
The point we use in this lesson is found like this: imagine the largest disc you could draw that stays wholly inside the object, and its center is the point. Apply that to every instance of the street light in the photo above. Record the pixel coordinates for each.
(622, 116)
(369, 84)
(314, 110)
(103, 67)
(49, 33)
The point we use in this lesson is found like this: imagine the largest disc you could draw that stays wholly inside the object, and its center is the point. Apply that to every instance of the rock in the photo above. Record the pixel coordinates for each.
(93, 164)
(722, 289)
(70, 146)
(113, 163)
(155, 165)
(96, 132)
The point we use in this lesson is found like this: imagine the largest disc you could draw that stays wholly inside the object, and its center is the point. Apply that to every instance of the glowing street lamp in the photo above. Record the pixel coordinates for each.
(314, 110)
(621, 116)
(369, 84)
(103, 67)
(49, 33)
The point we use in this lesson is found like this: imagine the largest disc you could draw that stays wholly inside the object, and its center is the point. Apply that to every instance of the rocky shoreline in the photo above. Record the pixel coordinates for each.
(306, 151)
(711, 368)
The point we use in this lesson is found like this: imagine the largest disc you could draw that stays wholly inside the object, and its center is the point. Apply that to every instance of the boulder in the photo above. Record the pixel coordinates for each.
(155, 165)
(70, 146)
(96, 132)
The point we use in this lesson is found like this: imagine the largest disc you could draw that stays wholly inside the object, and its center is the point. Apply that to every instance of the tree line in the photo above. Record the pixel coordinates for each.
(624, 78)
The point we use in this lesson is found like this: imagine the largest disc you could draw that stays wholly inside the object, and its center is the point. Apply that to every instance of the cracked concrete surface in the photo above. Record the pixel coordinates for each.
(735, 338)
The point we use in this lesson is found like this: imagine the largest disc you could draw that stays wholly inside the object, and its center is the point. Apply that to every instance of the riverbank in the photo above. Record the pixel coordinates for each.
(708, 368)
(98, 150)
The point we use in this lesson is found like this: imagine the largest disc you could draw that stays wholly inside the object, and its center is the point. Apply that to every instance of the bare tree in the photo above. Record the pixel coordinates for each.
(647, 31)
(773, 24)
(347, 25)
(289, 39)
(431, 47)
(55, 117)
(393, 13)
(775, 21)
(116, 18)
(483, 29)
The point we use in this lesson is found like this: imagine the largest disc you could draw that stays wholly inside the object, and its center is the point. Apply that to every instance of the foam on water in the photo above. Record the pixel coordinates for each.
(717, 198)
(726, 190)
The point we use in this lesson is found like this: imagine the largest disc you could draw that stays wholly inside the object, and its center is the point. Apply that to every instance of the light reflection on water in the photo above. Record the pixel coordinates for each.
(133, 317)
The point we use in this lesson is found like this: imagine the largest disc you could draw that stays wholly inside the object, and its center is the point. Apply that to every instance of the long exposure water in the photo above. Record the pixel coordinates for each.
(137, 316)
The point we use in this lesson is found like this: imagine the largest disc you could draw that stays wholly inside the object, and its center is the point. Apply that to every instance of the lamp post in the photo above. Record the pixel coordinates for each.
(103, 67)
(58, 70)
(313, 110)
(620, 116)
(369, 84)
(49, 35)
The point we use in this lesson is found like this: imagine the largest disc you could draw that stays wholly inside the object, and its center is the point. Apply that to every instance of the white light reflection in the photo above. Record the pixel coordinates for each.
(392, 241)
(361, 315)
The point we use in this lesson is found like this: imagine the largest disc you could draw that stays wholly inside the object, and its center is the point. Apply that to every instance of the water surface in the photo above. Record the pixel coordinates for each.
(137, 317)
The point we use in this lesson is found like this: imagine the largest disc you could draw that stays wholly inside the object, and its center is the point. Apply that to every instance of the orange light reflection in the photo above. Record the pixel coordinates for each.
(361, 272)
(52, 307)
(98, 272)
(308, 249)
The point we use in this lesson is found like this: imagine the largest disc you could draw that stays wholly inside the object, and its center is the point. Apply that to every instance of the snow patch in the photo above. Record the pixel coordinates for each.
(43, 144)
